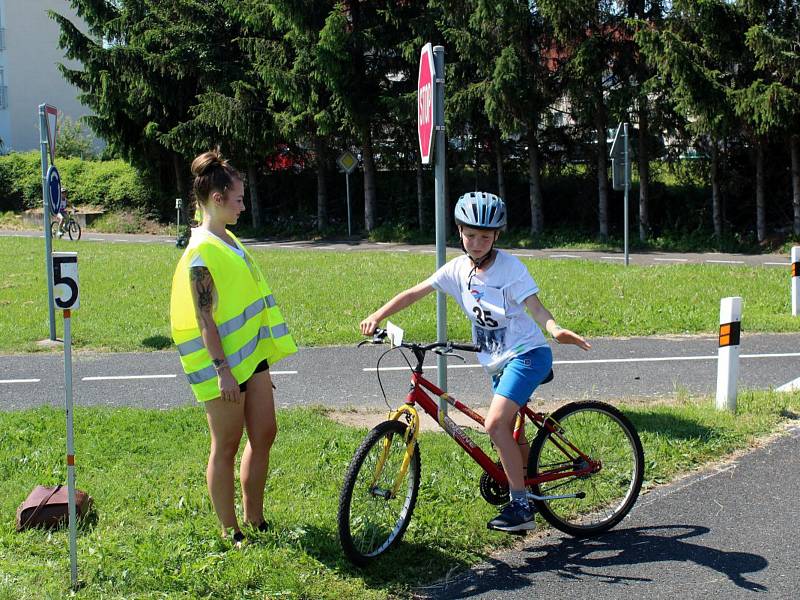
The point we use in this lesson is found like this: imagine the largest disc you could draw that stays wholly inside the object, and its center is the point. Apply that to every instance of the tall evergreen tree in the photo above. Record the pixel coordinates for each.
(358, 53)
(693, 56)
(591, 35)
(143, 64)
(772, 101)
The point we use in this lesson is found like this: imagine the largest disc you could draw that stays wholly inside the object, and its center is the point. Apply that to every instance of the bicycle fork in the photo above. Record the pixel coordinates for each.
(410, 439)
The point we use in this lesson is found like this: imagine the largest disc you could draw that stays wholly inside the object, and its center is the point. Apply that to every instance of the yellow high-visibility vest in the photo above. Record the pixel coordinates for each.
(250, 324)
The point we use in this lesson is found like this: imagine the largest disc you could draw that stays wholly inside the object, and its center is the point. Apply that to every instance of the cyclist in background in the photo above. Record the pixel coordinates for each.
(494, 289)
(61, 215)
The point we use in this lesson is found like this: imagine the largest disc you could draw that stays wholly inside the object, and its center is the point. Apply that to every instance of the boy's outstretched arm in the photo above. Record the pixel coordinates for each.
(546, 321)
(396, 304)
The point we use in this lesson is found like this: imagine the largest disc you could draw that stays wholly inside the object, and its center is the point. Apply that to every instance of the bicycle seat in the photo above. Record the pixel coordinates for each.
(548, 378)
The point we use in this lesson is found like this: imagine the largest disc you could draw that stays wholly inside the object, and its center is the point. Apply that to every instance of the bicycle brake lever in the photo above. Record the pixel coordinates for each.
(449, 352)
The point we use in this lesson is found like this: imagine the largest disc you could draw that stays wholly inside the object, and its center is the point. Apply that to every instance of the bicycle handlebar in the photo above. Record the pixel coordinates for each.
(381, 334)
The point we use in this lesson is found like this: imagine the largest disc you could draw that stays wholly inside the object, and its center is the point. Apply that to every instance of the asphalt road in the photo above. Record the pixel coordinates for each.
(344, 377)
(728, 533)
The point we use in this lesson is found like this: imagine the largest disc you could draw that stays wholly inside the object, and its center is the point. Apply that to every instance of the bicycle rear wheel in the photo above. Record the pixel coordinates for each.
(604, 434)
(74, 230)
(53, 228)
(372, 519)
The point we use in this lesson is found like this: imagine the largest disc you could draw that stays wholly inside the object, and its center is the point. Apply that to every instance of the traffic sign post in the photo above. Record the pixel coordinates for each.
(48, 117)
(621, 172)
(430, 120)
(178, 207)
(67, 297)
(347, 162)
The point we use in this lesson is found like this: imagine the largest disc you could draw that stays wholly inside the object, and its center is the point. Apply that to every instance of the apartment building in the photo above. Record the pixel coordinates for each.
(29, 75)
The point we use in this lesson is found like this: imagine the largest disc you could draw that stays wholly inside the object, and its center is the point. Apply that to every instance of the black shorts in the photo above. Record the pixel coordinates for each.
(262, 366)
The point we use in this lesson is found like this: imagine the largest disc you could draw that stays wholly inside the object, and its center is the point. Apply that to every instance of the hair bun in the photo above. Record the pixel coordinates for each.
(207, 161)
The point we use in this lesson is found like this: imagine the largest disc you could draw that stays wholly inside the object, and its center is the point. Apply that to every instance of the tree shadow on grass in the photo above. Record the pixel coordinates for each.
(670, 426)
(605, 560)
(157, 342)
(405, 565)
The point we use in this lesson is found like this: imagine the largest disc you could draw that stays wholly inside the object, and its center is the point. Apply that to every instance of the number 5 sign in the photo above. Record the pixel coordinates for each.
(65, 280)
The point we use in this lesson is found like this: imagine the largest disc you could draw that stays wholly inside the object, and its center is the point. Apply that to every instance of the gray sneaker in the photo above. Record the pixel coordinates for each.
(513, 517)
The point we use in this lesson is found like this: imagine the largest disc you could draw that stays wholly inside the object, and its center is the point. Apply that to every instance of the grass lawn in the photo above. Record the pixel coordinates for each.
(155, 534)
(324, 295)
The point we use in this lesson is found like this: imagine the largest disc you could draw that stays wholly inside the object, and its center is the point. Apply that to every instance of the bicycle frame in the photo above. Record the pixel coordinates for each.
(418, 396)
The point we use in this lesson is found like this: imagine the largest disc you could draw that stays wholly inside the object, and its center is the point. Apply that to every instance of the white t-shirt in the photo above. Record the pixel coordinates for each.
(494, 302)
(201, 233)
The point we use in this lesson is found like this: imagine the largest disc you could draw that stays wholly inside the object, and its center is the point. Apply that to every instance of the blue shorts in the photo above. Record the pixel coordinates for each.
(523, 374)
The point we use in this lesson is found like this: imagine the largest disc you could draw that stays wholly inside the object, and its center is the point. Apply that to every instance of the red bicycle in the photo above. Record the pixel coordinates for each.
(585, 464)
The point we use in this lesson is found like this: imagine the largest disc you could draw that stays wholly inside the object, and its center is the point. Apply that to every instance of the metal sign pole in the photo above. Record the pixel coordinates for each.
(178, 206)
(347, 183)
(441, 234)
(48, 244)
(73, 525)
(67, 297)
(627, 189)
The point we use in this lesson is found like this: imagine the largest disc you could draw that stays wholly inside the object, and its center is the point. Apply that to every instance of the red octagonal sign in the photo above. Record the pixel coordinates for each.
(425, 103)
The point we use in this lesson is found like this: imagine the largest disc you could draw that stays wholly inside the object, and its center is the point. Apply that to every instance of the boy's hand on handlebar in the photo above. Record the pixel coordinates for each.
(565, 336)
(369, 325)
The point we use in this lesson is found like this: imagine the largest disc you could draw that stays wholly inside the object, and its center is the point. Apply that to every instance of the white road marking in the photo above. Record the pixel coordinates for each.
(518, 254)
(117, 377)
(95, 239)
(20, 380)
(166, 376)
(564, 256)
(613, 257)
(608, 361)
(672, 259)
(726, 262)
(791, 386)
(429, 251)
(783, 264)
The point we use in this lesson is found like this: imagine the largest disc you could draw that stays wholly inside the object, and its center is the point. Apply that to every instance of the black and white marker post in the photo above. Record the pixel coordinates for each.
(730, 317)
(66, 296)
(795, 281)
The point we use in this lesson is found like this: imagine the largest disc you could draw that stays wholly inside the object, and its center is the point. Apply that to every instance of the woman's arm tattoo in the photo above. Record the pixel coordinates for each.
(203, 291)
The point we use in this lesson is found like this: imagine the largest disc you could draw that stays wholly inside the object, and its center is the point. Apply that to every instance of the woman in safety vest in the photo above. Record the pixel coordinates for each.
(228, 330)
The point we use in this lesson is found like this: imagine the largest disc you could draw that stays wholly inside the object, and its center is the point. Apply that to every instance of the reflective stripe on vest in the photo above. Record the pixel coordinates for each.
(230, 325)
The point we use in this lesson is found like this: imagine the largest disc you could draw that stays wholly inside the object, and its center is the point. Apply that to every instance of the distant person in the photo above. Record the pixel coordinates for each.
(61, 215)
(499, 297)
(229, 331)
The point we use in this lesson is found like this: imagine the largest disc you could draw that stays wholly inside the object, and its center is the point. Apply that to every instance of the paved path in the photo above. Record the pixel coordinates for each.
(344, 377)
(729, 532)
(637, 258)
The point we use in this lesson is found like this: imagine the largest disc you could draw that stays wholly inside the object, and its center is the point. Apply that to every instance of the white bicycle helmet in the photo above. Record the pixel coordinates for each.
(481, 210)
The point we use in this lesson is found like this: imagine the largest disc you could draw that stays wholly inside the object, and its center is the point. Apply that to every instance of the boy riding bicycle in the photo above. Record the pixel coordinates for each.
(494, 288)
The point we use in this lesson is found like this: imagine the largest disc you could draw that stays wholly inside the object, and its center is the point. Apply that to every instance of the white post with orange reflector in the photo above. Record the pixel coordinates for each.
(730, 317)
(795, 280)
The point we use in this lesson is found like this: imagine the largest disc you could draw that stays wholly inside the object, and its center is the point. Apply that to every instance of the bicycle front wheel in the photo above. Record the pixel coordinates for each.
(373, 516)
(600, 499)
(74, 230)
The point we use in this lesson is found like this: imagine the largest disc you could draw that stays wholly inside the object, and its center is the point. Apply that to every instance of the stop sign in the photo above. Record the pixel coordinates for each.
(425, 103)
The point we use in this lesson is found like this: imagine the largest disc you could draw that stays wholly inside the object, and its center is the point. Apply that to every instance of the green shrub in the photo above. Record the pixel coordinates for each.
(113, 184)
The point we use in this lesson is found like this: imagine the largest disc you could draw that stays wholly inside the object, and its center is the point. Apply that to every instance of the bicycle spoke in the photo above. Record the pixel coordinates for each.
(371, 519)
